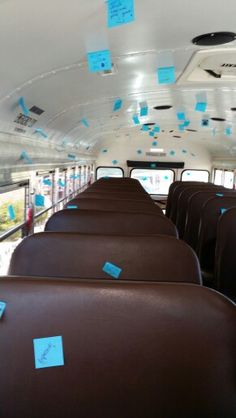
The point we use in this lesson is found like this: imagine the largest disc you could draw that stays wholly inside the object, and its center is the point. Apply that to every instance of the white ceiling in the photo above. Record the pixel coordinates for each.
(43, 48)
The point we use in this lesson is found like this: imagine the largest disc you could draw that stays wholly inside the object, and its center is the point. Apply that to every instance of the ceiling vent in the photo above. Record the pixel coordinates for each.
(155, 154)
(211, 66)
(106, 73)
(36, 110)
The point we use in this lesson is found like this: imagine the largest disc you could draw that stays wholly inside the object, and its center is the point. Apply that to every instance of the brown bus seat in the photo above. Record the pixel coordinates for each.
(101, 194)
(210, 214)
(183, 202)
(112, 223)
(115, 205)
(195, 204)
(176, 193)
(131, 350)
(140, 257)
(225, 260)
(170, 195)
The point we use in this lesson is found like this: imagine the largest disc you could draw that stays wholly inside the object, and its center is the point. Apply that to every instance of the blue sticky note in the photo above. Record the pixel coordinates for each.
(143, 109)
(99, 61)
(39, 200)
(223, 210)
(181, 127)
(219, 194)
(201, 107)
(85, 123)
(117, 105)
(139, 151)
(153, 165)
(144, 178)
(172, 153)
(166, 178)
(205, 123)
(24, 108)
(119, 12)
(24, 156)
(145, 128)
(71, 157)
(228, 131)
(136, 120)
(48, 352)
(2, 308)
(181, 116)
(112, 270)
(72, 207)
(166, 75)
(61, 183)
(47, 182)
(152, 133)
(186, 123)
(41, 132)
(114, 162)
(157, 129)
(11, 212)
(154, 144)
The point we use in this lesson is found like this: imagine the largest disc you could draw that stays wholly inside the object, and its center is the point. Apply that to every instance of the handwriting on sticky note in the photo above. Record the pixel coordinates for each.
(2, 308)
(112, 270)
(119, 12)
(99, 61)
(48, 352)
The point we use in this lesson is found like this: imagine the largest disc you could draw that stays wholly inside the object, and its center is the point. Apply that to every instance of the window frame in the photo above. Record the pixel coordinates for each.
(106, 166)
(195, 169)
(154, 169)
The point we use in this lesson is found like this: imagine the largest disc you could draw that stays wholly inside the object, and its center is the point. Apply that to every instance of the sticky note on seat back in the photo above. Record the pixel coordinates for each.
(2, 308)
(119, 12)
(99, 61)
(48, 352)
(112, 270)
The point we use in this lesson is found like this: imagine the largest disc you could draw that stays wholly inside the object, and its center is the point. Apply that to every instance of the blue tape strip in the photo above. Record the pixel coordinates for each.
(24, 108)
(2, 308)
(48, 352)
(120, 12)
(112, 270)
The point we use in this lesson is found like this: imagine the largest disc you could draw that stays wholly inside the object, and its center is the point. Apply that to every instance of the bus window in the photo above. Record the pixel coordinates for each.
(218, 177)
(12, 209)
(229, 179)
(43, 192)
(109, 172)
(154, 181)
(195, 175)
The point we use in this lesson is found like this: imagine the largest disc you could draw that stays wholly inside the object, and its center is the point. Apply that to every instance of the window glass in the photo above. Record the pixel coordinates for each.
(195, 175)
(109, 172)
(229, 179)
(12, 209)
(43, 192)
(154, 181)
(6, 249)
(218, 177)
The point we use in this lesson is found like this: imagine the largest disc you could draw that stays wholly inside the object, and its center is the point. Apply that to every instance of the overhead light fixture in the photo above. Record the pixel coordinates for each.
(156, 150)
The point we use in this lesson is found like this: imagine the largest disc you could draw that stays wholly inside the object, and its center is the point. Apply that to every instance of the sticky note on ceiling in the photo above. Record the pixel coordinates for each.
(152, 133)
(166, 75)
(186, 123)
(182, 127)
(24, 156)
(71, 157)
(145, 128)
(136, 120)
(61, 183)
(201, 107)
(85, 123)
(11, 212)
(99, 61)
(41, 132)
(47, 182)
(143, 109)
(48, 352)
(117, 105)
(112, 270)
(139, 151)
(39, 200)
(172, 153)
(228, 131)
(119, 12)
(154, 144)
(157, 129)
(205, 123)
(114, 162)
(2, 308)
(180, 116)
(24, 108)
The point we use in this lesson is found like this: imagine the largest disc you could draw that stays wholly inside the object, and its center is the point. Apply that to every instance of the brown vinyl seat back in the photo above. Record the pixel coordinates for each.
(175, 196)
(182, 206)
(112, 223)
(210, 214)
(195, 204)
(170, 196)
(120, 183)
(91, 194)
(225, 261)
(115, 205)
(130, 350)
(140, 257)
